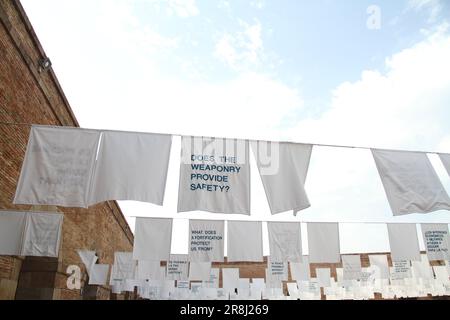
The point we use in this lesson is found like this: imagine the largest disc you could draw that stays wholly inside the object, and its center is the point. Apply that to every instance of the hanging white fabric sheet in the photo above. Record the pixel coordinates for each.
(214, 176)
(149, 270)
(177, 267)
(437, 241)
(445, 158)
(213, 281)
(230, 278)
(58, 166)
(152, 239)
(199, 271)
(89, 258)
(352, 267)
(323, 242)
(42, 234)
(244, 241)
(124, 267)
(131, 166)
(380, 261)
(206, 240)
(300, 271)
(410, 182)
(285, 241)
(99, 274)
(403, 241)
(283, 168)
(277, 270)
(12, 228)
(323, 277)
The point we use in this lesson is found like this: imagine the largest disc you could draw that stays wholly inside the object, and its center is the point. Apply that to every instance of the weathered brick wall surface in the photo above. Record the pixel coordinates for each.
(30, 96)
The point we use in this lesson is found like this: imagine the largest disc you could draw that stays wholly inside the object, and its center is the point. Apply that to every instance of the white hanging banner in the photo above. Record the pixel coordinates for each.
(199, 270)
(214, 175)
(213, 281)
(244, 241)
(89, 258)
(410, 182)
(230, 278)
(149, 270)
(277, 270)
(42, 234)
(401, 270)
(445, 158)
(99, 274)
(57, 168)
(300, 271)
(206, 240)
(124, 266)
(283, 168)
(131, 166)
(152, 239)
(323, 242)
(380, 261)
(177, 267)
(352, 267)
(12, 227)
(437, 241)
(323, 277)
(285, 241)
(403, 241)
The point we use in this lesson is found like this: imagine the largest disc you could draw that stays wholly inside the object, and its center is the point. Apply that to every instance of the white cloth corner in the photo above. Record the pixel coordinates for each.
(99, 274)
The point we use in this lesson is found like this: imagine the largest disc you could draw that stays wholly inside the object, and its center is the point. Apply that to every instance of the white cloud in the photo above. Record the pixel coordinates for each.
(242, 50)
(433, 7)
(183, 8)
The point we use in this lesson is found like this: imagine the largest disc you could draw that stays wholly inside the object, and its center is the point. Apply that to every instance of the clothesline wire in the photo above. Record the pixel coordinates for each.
(293, 221)
(251, 140)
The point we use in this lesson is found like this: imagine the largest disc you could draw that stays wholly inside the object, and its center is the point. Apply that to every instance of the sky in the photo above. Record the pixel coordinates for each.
(362, 73)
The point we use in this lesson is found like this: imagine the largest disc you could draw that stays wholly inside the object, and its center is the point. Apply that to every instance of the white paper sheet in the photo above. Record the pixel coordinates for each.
(42, 234)
(437, 241)
(152, 239)
(323, 243)
(214, 176)
(283, 168)
(58, 166)
(244, 241)
(285, 241)
(131, 166)
(206, 240)
(403, 241)
(410, 182)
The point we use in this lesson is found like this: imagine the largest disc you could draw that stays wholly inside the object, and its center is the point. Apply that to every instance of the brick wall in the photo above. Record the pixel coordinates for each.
(30, 96)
